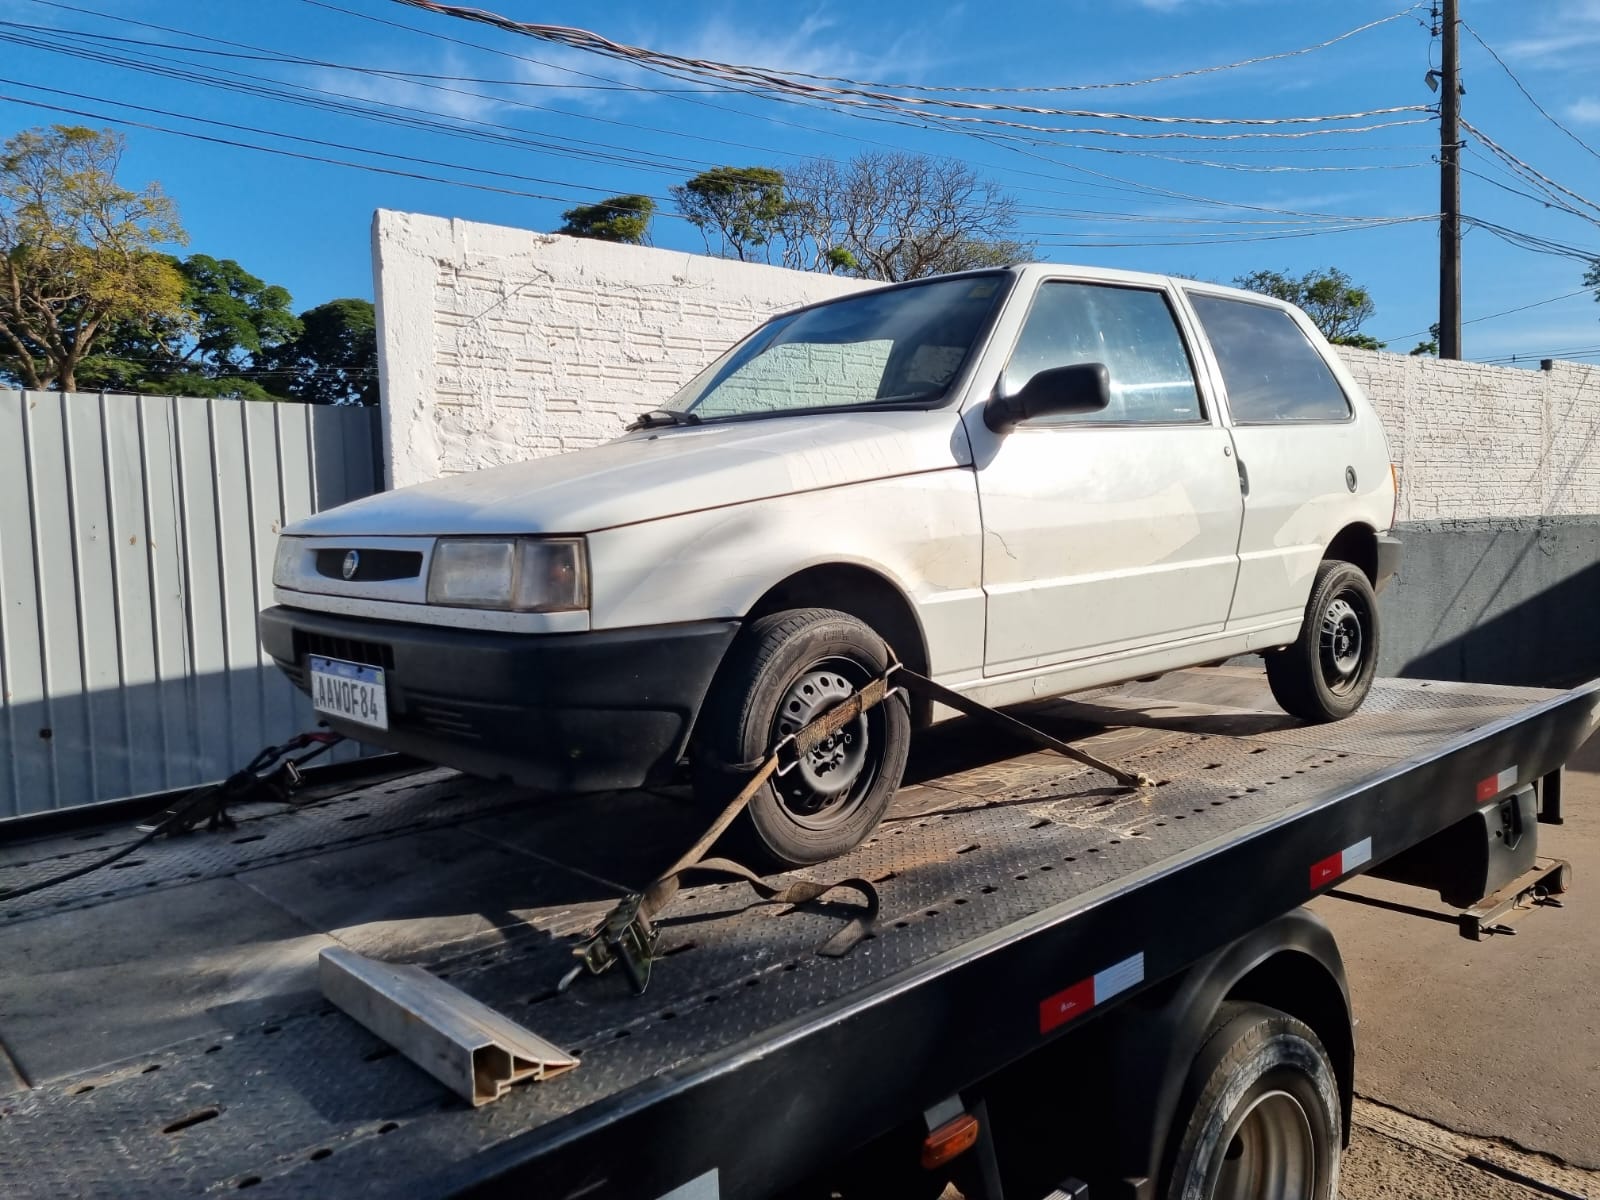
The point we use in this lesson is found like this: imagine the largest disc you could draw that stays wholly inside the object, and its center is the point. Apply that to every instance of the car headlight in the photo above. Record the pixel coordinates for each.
(283, 562)
(512, 574)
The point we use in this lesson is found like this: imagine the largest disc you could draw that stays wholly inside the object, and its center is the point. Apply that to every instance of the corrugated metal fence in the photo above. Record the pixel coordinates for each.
(136, 544)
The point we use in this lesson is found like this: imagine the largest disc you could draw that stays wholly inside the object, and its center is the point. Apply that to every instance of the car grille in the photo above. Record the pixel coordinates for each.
(372, 654)
(371, 565)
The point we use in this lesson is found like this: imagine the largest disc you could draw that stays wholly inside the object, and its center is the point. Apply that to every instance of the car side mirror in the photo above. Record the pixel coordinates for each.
(1080, 388)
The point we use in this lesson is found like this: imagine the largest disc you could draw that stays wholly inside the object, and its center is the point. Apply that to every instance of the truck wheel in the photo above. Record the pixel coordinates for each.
(1263, 1116)
(1328, 671)
(784, 670)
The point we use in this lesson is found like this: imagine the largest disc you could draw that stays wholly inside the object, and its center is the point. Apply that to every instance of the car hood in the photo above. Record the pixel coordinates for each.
(659, 473)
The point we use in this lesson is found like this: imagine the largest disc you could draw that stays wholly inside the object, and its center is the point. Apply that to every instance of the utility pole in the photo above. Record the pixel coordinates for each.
(1450, 181)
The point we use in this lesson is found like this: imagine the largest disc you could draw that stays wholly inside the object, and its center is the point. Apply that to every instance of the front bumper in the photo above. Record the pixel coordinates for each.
(1388, 561)
(578, 712)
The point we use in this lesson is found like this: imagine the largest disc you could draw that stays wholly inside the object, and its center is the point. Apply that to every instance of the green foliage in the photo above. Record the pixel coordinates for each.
(1591, 279)
(744, 207)
(1429, 347)
(1330, 298)
(229, 320)
(620, 219)
(76, 252)
(334, 360)
(237, 316)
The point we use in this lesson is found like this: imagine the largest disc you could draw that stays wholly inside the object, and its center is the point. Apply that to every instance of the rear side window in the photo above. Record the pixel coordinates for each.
(1270, 368)
(1131, 331)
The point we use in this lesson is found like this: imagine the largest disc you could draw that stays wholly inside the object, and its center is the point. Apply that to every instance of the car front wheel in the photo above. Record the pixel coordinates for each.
(785, 670)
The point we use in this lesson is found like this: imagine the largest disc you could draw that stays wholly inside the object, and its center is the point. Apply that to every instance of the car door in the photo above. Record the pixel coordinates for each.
(1109, 531)
(1309, 458)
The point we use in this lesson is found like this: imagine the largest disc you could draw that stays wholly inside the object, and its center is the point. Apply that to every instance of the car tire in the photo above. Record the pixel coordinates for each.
(783, 670)
(1260, 1114)
(1328, 671)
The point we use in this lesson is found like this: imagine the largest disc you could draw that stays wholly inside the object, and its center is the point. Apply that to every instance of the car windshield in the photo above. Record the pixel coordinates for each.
(899, 346)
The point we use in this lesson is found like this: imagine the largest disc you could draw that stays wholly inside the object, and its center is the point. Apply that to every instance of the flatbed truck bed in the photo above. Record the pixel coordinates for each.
(163, 1033)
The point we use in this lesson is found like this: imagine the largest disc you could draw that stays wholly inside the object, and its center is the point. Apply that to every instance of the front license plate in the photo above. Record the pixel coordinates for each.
(350, 690)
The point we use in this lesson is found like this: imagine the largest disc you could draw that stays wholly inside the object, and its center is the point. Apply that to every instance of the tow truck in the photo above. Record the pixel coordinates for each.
(1068, 989)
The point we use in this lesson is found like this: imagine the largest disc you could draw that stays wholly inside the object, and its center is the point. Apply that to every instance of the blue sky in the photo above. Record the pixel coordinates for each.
(554, 127)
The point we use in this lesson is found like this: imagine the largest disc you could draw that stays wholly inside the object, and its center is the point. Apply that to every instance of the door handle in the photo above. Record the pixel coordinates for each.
(1244, 477)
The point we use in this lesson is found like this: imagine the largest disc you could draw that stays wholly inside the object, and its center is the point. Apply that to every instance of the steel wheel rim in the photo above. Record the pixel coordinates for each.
(828, 785)
(1342, 645)
(1272, 1155)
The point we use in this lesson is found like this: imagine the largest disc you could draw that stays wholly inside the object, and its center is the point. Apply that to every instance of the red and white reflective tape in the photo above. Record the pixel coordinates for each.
(1491, 787)
(1057, 1010)
(1342, 863)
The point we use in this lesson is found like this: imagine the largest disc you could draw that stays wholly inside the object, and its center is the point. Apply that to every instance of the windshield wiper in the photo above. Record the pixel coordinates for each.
(662, 416)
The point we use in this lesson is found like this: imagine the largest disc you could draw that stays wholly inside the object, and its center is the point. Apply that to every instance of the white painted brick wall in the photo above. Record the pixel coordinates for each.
(499, 344)
(1475, 441)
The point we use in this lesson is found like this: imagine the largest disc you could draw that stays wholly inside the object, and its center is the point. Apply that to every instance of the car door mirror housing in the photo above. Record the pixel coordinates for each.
(1058, 391)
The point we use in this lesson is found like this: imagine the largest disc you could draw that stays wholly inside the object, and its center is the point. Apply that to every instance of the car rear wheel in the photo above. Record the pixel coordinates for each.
(1328, 671)
(785, 670)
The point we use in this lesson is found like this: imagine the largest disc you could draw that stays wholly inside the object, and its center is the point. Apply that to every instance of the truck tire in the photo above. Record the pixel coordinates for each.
(784, 670)
(1260, 1113)
(1328, 671)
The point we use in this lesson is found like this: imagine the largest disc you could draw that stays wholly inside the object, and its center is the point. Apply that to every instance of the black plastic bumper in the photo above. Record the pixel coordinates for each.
(1388, 561)
(571, 712)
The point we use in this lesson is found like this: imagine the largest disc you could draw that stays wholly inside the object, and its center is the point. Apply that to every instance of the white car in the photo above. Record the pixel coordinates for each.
(1020, 482)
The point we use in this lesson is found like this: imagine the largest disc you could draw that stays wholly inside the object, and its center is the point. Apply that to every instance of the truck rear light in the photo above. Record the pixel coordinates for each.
(951, 1140)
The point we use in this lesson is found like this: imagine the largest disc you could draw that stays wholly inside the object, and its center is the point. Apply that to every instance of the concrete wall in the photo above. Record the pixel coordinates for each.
(1496, 601)
(500, 344)
(1475, 441)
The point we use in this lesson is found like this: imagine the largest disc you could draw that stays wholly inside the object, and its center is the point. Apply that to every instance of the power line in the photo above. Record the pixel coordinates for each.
(1401, 337)
(763, 81)
(598, 151)
(454, 125)
(1512, 75)
(1534, 242)
(1575, 353)
(1545, 201)
(1524, 169)
(220, 141)
(1238, 235)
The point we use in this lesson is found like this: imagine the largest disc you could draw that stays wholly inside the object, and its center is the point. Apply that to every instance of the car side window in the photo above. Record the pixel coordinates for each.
(1270, 368)
(1131, 330)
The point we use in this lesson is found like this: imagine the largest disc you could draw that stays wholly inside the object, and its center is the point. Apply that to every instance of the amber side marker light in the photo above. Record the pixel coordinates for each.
(950, 1140)
(1394, 479)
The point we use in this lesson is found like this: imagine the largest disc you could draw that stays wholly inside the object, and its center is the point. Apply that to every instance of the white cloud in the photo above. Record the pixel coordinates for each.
(451, 98)
(1566, 34)
(1585, 110)
(815, 44)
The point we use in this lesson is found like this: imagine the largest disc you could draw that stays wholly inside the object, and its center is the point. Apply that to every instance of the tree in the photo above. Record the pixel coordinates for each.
(334, 360)
(1330, 298)
(620, 219)
(745, 207)
(1591, 279)
(897, 216)
(1429, 347)
(229, 321)
(76, 251)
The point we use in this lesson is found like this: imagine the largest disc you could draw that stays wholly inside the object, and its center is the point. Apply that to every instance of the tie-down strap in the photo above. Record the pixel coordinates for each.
(628, 934)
